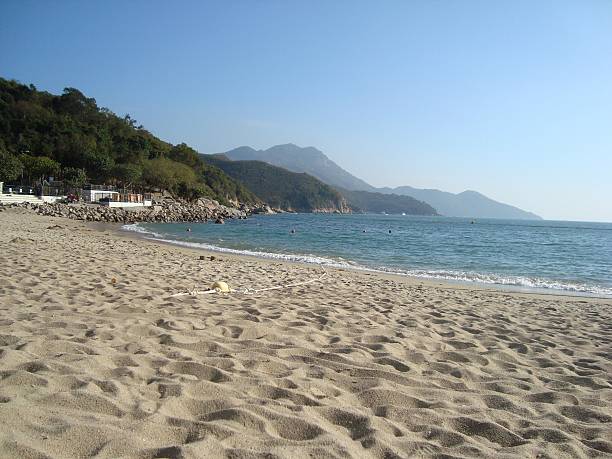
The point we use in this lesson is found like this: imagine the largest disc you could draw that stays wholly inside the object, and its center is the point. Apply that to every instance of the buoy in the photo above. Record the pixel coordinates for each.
(292, 231)
(188, 230)
(220, 286)
(389, 231)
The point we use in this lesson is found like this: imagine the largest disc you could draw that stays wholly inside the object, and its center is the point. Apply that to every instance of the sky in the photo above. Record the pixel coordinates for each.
(509, 98)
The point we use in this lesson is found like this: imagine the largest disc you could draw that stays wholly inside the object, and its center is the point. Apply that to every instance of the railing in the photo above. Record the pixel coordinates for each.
(46, 190)
(131, 197)
(53, 191)
(17, 189)
(89, 186)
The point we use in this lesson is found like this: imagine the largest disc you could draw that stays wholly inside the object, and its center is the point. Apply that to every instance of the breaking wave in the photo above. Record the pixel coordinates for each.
(515, 282)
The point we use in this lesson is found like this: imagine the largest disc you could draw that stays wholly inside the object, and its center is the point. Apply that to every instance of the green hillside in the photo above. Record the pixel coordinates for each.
(281, 188)
(365, 201)
(70, 137)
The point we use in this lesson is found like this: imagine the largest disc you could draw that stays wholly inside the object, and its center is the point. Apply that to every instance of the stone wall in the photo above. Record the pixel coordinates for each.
(166, 210)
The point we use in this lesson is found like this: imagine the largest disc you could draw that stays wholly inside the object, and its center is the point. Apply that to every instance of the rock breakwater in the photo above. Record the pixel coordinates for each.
(165, 211)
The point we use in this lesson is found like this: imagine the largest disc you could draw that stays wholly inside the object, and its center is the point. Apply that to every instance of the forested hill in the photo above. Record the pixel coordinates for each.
(304, 193)
(70, 137)
(281, 188)
(368, 202)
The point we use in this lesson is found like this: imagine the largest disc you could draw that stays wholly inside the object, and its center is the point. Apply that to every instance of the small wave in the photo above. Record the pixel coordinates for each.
(255, 253)
(521, 282)
(136, 228)
(531, 283)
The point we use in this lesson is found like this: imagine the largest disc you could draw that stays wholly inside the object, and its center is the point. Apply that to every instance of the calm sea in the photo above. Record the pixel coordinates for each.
(555, 256)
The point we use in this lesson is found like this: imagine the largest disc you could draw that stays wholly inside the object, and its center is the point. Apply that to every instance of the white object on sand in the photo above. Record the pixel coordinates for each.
(222, 287)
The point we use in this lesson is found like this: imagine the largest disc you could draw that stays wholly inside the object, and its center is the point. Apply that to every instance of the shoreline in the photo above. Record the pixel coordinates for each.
(441, 282)
(98, 358)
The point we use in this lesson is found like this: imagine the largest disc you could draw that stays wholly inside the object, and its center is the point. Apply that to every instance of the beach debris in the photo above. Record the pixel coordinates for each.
(213, 258)
(114, 280)
(220, 286)
(219, 221)
(18, 240)
(55, 227)
(202, 257)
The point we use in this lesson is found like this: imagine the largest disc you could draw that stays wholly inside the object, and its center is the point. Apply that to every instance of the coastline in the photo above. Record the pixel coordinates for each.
(98, 358)
(425, 280)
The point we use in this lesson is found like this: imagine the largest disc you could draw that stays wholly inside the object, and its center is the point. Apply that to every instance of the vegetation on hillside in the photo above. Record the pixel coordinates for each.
(304, 193)
(365, 201)
(70, 137)
(279, 187)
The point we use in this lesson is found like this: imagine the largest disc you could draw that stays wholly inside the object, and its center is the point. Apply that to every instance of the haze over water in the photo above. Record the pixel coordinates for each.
(555, 256)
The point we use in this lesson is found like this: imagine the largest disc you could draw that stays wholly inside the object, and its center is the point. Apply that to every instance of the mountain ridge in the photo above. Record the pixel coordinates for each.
(468, 203)
(299, 191)
(281, 188)
(302, 159)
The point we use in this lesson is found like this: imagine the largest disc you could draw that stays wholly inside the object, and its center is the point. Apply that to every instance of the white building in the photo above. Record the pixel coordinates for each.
(97, 195)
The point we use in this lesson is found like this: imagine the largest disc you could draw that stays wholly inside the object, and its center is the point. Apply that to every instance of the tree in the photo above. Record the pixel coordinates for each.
(10, 167)
(169, 175)
(74, 102)
(74, 177)
(127, 174)
(183, 153)
(38, 167)
(98, 164)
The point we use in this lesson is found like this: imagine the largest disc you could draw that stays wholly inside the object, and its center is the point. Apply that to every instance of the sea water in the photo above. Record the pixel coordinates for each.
(553, 256)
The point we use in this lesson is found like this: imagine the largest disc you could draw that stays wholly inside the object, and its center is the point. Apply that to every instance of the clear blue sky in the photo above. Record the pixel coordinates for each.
(510, 98)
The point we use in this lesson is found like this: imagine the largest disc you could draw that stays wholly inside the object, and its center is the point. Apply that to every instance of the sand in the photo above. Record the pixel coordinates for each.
(98, 359)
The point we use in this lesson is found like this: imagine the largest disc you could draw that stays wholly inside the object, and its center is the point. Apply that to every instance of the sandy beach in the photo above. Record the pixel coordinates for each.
(98, 358)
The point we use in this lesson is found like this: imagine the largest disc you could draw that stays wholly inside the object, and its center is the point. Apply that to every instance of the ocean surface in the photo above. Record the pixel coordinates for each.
(545, 256)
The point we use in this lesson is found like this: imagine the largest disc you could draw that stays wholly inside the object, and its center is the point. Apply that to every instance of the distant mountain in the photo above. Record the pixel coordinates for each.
(368, 202)
(314, 162)
(297, 159)
(469, 204)
(303, 193)
(281, 188)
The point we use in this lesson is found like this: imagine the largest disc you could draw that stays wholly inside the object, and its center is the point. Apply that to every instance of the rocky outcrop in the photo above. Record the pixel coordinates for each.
(166, 211)
(342, 207)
